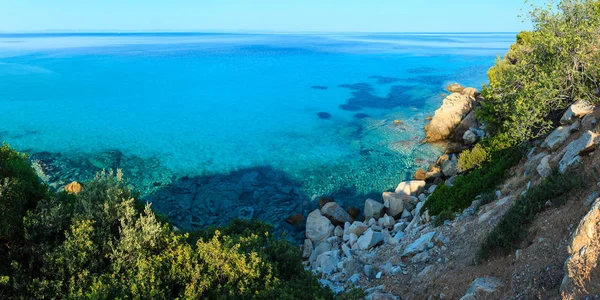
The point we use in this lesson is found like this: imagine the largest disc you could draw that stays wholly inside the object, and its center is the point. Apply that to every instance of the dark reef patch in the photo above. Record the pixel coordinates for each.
(319, 87)
(384, 79)
(361, 116)
(324, 115)
(363, 97)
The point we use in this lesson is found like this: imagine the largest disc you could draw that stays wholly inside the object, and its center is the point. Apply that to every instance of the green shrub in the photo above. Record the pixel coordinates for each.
(473, 158)
(467, 186)
(512, 228)
(20, 191)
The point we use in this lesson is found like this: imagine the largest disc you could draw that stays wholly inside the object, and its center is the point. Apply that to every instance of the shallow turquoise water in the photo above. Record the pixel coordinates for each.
(211, 104)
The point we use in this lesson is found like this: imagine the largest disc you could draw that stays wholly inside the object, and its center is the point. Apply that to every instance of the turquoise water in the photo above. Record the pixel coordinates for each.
(316, 109)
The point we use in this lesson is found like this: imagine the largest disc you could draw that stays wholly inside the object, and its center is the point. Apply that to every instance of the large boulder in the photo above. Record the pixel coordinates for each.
(394, 203)
(412, 187)
(584, 255)
(318, 227)
(455, 88)
(585, 144)
(557, 138)
(327, 262)
(357, 228)
(454, 108)
(335, 213)
(577, 110)
(373, 209)
(449, 167)
(369, 239)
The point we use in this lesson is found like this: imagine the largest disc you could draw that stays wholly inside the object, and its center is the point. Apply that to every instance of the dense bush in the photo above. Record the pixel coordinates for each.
(512, 228)
(102, 244)
(473, 158)
(545, 70)
(459, 196)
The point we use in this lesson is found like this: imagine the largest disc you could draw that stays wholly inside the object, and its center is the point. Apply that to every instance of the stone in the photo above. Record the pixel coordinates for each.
(575, 126)
(346, 251)
(422, 198)
(378, 295)
(418, 245)
(482, 286)
(577, 110)
(420, 174)
(399, 226)
(307, 248)
(544, 168)
(354, 212)
(406, 215)
(557, 138)
(400, 235)
(74, 188)
(591, 198)
(449, 167)
(357, 228)
(388, 222)
(369, 239)
(453, 109)
(327, 262)
(373, 209)
(318, 227)
(589, 122)
(335, 213)
(585, 144)
(354, 279)
(338, 231)
(470, 137)
(584, 255)
(318, 250)
(353, 238)
(370, 272)
(432, 188)
(468, 123)
(335, 288)
(410, 188)
(393, 203)
(295, 220)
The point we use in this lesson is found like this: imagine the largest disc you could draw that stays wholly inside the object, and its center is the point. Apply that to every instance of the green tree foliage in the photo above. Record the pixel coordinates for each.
(104, 244)
(545, 70)
(473, 158)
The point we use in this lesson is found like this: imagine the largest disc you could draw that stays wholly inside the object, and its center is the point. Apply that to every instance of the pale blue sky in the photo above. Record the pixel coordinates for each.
(264, 15)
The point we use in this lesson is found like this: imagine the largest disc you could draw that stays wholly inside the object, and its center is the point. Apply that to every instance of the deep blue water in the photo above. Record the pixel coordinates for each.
(317, 108)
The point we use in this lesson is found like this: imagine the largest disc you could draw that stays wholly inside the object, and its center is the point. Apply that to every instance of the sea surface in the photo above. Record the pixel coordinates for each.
(242, 117)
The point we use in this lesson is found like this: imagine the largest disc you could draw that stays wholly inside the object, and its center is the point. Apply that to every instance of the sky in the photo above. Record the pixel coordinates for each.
(263, 15)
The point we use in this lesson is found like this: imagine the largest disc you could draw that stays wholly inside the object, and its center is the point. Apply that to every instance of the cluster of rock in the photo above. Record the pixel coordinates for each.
(579, 117)
(339, 247)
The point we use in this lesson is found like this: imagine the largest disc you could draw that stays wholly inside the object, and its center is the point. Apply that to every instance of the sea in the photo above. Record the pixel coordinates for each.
(215, 126)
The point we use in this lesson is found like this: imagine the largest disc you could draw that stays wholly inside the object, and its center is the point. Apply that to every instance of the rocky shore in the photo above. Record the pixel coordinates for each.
(393, 249)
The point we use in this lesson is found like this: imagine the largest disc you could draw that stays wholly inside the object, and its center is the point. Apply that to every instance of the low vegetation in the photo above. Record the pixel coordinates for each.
(512, 228)
(446, 200)
(104, 244)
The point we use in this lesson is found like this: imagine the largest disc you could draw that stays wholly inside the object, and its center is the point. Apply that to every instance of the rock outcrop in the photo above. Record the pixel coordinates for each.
(318, 227)
(453, 110)
(576, 111)
(584, 254)
(585, 144)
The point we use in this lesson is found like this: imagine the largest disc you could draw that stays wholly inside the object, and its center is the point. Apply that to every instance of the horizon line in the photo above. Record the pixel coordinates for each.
(116, 31)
